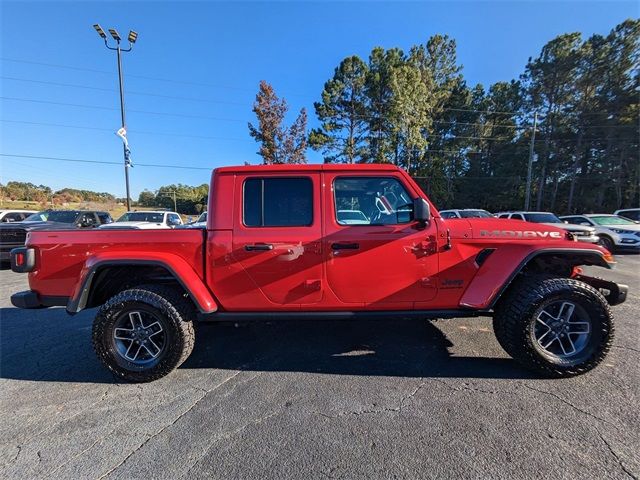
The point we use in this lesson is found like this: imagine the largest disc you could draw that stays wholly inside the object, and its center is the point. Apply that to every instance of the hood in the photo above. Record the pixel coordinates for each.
(571, 227)
(39, 225)
(139, 225)
(501, 228)
(629, 228)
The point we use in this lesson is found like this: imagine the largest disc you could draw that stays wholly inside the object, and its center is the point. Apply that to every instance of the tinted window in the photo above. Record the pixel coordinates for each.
(153, 217)
(517, 216)
(14, 217)
(612, 220)
(104, 217)
(278, 202)
(542, 218)
(371, 201)
(504, 215)
(448, 215)
(86, 220)
(475, 214)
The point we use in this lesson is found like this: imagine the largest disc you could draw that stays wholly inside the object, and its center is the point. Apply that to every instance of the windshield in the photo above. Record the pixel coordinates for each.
(153, 217)
(612, 220)
(541, 218)
(475, 214)
(62, 217)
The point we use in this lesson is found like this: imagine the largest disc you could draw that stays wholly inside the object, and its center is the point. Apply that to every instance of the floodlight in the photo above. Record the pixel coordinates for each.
(100, 31)
(114, 34)
(133, 36)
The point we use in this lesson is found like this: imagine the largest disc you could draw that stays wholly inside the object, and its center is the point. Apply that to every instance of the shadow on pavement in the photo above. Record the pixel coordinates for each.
(49, 345)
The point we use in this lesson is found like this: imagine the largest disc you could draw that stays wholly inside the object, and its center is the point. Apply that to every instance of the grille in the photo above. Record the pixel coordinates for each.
(12, 235)
(582, 233)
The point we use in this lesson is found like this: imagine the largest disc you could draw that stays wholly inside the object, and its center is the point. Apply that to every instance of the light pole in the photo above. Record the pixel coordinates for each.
(133, 36)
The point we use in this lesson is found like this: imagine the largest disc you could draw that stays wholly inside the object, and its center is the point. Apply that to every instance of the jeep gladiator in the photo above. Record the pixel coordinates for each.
(324, 241)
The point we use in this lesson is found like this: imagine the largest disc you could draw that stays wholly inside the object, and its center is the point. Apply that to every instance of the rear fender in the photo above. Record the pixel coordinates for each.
(496, 273)
(178, 267)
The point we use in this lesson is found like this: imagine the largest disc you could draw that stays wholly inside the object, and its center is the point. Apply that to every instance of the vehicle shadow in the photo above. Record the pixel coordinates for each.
(49, 345)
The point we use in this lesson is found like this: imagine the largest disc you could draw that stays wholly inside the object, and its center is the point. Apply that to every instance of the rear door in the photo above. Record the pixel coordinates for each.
(276, 238)
(385, 260)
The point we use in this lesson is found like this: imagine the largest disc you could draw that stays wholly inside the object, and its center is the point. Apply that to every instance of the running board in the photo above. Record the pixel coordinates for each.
(370, 315)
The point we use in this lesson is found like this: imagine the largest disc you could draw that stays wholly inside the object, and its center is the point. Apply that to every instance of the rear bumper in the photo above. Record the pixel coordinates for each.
(31, 299)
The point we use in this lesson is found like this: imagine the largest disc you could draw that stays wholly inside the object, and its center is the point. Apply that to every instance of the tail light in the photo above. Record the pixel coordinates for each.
(23, 259)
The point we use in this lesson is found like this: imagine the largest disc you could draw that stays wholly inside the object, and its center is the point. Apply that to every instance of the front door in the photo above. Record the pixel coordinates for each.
(276, 238)
(374, 251)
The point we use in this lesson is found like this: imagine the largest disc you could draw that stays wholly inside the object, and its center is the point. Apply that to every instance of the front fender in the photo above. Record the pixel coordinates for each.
(177, 266)
(497, 271)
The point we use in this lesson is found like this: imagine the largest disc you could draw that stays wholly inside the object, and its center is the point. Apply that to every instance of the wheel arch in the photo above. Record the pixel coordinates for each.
(103, 278)
(484, 295)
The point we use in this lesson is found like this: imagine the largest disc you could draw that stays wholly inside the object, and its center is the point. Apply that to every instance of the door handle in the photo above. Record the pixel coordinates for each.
(345, 246)
(258, 246)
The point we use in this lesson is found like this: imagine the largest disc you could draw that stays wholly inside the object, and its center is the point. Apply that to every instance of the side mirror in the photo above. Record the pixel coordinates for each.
(421, 210)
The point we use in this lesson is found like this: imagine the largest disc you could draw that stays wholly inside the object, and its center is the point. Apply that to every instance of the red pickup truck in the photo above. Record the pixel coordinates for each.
(324, 241)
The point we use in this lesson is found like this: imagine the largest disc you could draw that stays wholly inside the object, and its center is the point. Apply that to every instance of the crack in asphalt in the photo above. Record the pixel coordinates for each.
(227, 436)
(616, 456)
(567, 402)
(622, 347)
(168, 425)
(397, 409)
(79, 454)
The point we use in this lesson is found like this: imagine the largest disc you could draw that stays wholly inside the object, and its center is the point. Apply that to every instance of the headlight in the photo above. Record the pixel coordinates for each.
(621, 231)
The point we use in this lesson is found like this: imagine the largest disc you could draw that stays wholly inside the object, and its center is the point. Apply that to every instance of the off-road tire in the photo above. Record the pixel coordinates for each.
(178, 315)
(516, 312)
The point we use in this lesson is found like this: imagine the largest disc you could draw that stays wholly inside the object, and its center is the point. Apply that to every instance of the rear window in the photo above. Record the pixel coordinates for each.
(278, 202)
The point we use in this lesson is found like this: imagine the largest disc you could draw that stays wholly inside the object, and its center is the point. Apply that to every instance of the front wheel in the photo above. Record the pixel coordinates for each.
(556, 326)
(144, 333)
(606, 242)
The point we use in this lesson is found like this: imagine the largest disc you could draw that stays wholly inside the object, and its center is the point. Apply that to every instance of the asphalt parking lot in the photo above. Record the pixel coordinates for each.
(382, 399)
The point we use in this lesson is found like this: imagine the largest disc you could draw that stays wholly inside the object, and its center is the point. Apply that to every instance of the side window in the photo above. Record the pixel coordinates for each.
(278, 202)
(173, 219)
(104, 218)
(517, 216)
(371, 201)
(87, 220)
(14, 217)
(448, 215)
(503, 215)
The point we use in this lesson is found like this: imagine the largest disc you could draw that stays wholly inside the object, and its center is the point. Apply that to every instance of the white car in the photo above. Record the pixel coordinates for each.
(630, 213)
(466, 213)
(614, 231)
(146, 220)
(581, 233)
(7, 216)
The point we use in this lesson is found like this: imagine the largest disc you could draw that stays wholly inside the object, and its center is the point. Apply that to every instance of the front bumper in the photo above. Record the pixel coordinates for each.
(30, 299)
(615, 293)
(587, 238)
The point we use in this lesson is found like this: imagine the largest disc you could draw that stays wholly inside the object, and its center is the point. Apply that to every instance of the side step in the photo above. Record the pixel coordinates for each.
(342, 315)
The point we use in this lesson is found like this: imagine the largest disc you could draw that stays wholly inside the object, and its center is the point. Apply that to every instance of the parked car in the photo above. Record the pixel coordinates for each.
(201, 222)
(10, 216)
(614, 231)
(630, 213)
(581, 233)
(147, 220)
(275, 249)
(13, 235)
(466, 213)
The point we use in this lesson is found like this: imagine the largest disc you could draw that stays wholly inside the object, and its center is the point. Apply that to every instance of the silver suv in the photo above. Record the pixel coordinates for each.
(582, 233)
(465, 213)
(614, 231)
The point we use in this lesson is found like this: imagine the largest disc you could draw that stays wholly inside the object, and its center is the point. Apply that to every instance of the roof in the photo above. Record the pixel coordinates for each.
(324, 167)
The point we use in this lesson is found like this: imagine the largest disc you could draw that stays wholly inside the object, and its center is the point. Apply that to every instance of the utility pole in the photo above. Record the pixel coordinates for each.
(527, 197)
(172, 193)
(133, 36)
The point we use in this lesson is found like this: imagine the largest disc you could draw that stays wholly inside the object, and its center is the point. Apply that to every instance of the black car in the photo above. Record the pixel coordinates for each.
(13, 235)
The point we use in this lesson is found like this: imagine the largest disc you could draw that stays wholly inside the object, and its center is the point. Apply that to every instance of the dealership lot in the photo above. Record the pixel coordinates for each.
(330, 399)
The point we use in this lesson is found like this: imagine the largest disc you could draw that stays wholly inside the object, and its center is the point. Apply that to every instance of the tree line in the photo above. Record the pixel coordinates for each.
(470, 145)
(26, 191)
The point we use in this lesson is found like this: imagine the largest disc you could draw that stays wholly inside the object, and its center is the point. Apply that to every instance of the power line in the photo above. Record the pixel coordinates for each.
(137, 132)
(99, 107)
(103, 162)
(87, 87)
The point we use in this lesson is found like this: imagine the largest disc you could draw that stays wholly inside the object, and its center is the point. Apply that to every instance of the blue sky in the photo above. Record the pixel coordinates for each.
(212, 55)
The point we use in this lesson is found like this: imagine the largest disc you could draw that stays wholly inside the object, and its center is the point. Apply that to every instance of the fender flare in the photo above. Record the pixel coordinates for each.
(177, 266)
(482, 295)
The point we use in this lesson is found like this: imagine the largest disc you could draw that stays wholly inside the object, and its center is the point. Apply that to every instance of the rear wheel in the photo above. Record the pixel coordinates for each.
(556, 326)
(144, 333)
